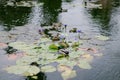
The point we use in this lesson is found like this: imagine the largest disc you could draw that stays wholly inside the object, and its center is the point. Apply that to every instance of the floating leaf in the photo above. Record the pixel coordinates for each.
(101, 37)
(50, 56)
(44, 40)
(62, 68)
(27, 60)
(33, 70)
(71, 64)
(18, 69)
(35, 77)
(76, 54)
(87, 57)
(53, 47)
(21, 46)
(68, 74)
(44, 62)
(84, 64)
(48, 69)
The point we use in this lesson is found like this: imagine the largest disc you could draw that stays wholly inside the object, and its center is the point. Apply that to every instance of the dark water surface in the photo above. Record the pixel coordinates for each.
(92, 21)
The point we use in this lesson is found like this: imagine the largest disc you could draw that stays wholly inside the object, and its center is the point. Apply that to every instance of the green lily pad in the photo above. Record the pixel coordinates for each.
(53, 47)
(75, 54)
(27, 60)
(18, 69)
(49, 56)
(48, 69)
(21, 46)
(66, 62)
(101, 37)
(71, 64)
(33, 70)
(45, 62)
(44, 40)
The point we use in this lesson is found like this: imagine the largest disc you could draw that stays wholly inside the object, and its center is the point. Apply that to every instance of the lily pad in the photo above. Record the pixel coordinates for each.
(87, 57)
(18, 69)
(66, 62)
(48, 56)
(84, 64)
(48, 69)
(62, 68)
(76, 54)
(68, 74)
(53, 47)
(27, 60)
(21, 46)
(101, 37)
(44, 40)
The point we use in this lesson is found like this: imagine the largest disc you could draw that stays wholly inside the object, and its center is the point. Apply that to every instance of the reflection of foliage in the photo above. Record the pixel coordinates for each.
(50, 11)
(102, 17)
(40, 76)
(13, 16)
(10, 50)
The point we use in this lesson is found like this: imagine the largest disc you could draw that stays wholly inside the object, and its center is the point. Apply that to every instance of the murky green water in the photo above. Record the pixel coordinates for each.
(91, 21)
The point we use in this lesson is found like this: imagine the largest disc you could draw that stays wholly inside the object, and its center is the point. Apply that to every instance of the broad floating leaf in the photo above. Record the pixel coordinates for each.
(33, 70)
(27, 60)
(76, 54)
(68, 74)
(18, 69)
(44, 40)
(84, 64)
(62, 68)
(48, 69)
(53, 47)
(49, 56)
(101, 37)
(35, 77)
(21, 46)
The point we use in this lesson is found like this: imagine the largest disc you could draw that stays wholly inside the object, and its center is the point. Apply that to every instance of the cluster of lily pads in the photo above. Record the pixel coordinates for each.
(39, 56)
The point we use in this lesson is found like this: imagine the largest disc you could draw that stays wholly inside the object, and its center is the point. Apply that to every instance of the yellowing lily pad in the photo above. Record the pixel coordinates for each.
(62, 68)
(84, 64)
(68, 74)
(48, 69)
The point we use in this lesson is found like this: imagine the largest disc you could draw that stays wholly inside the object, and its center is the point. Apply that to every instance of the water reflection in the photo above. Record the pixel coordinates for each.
(103, 16)
(40, 76)
(116, 3)
(50, 11)
(13, 16)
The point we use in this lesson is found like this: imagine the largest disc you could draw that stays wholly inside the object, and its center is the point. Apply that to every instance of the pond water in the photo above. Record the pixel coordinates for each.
(91, 21)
